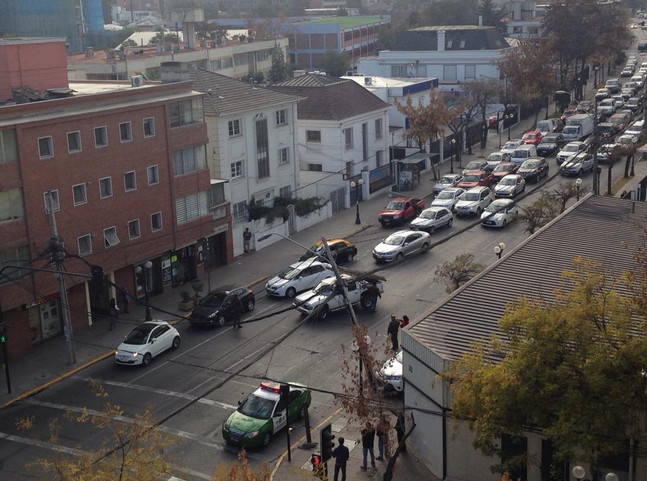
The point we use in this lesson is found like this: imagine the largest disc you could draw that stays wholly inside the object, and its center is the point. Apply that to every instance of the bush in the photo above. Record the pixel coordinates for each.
(302, 208)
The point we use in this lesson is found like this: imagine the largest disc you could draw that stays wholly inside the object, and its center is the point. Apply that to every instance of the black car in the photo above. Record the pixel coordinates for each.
(550, 144)
(642, 47)
(217, 307)
(533, 169)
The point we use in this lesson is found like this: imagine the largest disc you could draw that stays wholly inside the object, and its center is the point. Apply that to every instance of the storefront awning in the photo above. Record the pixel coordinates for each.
(218, 181)
(415, 158)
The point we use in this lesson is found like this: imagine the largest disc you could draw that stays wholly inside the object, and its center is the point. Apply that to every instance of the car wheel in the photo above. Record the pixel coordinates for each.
(479, 211)
(250, 306)
(505, 222)
(349, 258)
(221, 320)
(290, 293)
(323, 313)
(176, 342)
(147, 359)
(450, 222)
(266, 439)
(399, 257)
(425, 246)
(365, 302)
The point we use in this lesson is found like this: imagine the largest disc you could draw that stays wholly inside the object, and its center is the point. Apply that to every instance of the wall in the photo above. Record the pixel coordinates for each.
(313, 218)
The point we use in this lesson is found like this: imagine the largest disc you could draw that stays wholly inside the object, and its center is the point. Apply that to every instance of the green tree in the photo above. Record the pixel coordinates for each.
(492, 14)
(387, 38)
(458, 272)
(571, 366)
(540, 212)
(336, 63)
(279, 70)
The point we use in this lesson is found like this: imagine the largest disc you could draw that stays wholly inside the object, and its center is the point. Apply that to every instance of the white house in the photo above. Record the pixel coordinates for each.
(252, 143)
(343, 129)
(453, 54)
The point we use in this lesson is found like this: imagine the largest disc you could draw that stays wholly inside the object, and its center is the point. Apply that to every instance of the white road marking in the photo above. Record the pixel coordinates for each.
(163, 392)
(245, 358)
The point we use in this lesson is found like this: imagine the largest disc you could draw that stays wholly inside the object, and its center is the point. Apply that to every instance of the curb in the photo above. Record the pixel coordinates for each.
(258, 281)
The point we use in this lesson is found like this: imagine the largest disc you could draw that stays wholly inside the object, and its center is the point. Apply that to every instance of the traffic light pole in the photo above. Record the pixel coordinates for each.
(5, 356)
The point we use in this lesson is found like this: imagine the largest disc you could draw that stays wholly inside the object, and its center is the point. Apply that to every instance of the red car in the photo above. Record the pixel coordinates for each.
(475, 178)
(569, 112)
(399, 210)
(503, 169)
(532, 137)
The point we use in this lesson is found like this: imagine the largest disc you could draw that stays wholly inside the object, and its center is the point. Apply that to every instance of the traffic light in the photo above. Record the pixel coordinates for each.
(3, 334)
(326, 442)
(317, 466)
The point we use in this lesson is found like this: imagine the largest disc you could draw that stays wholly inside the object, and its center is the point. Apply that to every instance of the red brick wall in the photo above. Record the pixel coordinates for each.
(18, 334)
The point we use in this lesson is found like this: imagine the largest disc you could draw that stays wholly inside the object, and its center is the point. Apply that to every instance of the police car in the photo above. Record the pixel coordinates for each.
(262, 414)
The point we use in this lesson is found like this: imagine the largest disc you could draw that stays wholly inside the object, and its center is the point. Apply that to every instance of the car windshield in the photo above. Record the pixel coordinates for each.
(530, 164)
(471, 196)
(570, 128)
(495, 206)
(511, 145)
(257, 407)
(530, 136)
(139, 335)
(428, 214)
(471, 178)
(214, 299)
(508, 181)
(571, 148)
(394, 240)
(446, 195)
(473, 166)
(289, 273)
(318, 247)
(549, 140)
(520, 153)
(395, 206)
(504, 168)
(324, 288)
(495, 156)
(607, 102)
(446, 180)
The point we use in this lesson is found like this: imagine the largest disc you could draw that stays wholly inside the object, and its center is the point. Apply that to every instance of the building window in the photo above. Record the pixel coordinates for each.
(262, 149)
(186, 112)
(285, 192)
(398, 70)
(105, 187)
(281, 117)
(462, 44)
(110, 238)
(470, 71)
(517, 30)
(100, 137)
(130, 181)
(449, 72)
(84, 244)
(189, 160)
(239, 210)
(263, 55)
(236, 169)
(315, 167)
(240, 59)
(227, 62)
(74, 142)
(45, 147)
(14, 257)
(234, 128)
(8, 148)
(79, 194)
(153, 175)
(156, 221)
(191, 207)
(378, 129)
(125, 131)
(149, 127)
(216, 195)
(284, 155)
(313, 136)
(133, 229)
(533, 31)
(364, 142)
(11, 206)
(348, 138)
(378, 158)
(56, 206)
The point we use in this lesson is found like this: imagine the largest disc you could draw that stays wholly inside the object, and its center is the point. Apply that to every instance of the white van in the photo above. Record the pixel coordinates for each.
(523, 153)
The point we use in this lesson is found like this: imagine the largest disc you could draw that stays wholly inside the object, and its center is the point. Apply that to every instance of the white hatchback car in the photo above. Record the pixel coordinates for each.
(448, 198)
(391, 374)
(511, 145)
(499, 213)
(147, 341)
(432, 218)
(298, 277)
(474, 201)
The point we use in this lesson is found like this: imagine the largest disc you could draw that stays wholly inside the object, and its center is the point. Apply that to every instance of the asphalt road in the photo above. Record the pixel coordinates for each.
(194, 389)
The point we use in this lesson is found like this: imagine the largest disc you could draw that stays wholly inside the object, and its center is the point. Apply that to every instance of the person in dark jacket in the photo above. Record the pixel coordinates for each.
(247, 239)
(373, 292)
(237, 308)
(114, 313)
(392, 331)
(341, 455)
(400, 429)
(125, 298)
(368, 444)
(383, 428)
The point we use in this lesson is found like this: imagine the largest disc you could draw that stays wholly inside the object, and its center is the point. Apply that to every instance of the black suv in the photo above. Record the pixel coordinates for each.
(217, 307)
(550, 144)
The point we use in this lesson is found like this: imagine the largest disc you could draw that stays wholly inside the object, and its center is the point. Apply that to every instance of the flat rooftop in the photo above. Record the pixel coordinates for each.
(345, 22)
(29, 40)
(93, 88)
(386, 81)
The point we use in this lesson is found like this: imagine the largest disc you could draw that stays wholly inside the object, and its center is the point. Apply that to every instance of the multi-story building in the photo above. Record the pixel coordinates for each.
(129, 180)
(453, 54)
(524, 20)
(232, 58)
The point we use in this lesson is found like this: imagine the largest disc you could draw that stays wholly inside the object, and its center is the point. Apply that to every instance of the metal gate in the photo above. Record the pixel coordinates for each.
(338, 199)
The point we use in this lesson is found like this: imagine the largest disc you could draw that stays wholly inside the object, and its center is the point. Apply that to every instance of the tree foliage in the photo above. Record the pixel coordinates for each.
(540, 212)
(336, 63)
(279, 70)
(572, 366)
(451, 12)
(457, 272)
(492, 14)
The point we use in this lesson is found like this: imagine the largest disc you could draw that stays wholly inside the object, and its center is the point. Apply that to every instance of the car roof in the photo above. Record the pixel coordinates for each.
(478, 188)
(506, 162)
(307, 263)
(400, 199)
(435, 208)
(512, 176)
(404, 232)
(534, 131)
(502, 201)
(452, 176)
(452, 189)
(474, 172)
(333, 240)
(525, 147)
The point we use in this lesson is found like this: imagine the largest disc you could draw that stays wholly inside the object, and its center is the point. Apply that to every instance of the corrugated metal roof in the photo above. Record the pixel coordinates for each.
(311, 80)
(230, 96)
(602, 229)
(457, 37)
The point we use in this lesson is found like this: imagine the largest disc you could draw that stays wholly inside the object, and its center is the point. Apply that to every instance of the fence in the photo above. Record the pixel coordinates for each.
(380, 178)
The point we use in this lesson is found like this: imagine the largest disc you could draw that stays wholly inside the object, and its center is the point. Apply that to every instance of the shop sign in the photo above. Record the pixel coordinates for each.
(221, 228)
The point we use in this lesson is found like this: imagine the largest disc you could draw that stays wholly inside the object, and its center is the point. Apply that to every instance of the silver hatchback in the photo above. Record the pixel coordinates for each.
(432, 218)
(401, 244)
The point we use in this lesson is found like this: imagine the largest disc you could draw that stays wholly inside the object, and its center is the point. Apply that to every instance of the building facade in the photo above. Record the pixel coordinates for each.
(126, 168)
(524, 19)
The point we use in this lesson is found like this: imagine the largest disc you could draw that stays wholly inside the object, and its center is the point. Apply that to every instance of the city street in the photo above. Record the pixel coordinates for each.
(195, 388)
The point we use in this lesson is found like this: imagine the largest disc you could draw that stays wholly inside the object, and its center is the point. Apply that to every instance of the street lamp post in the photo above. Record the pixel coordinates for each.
(451, 158)
(142, 274)
(579, 472)
(357, 185)
(578, 186)
(509, 117)
(498, 249)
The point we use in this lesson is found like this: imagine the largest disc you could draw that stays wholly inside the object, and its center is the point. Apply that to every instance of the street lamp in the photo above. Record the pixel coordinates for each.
(451, 159)
(357, 185)
(579, 472)
(508, 118)
(611, 477)
(148, 265)
(578, 186)
(498, 249)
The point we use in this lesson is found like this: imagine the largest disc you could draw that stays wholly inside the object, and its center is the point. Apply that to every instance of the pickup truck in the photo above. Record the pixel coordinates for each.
(310, 300)
(399, 210)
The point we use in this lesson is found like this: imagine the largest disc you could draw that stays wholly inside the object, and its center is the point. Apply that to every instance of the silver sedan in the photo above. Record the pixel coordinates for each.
(401, 244)
(447, 181)
(432, 218)
(510, 186)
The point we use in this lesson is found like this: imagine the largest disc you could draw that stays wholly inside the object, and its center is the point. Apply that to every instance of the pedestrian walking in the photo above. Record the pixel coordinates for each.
(114, 313)
(404, 322)
(383, 428)
(125, 299)
(237, 308)
(247, 239)
(341, 455)
(392, 331)
(399, 429)
(373, 292)
(368, 444)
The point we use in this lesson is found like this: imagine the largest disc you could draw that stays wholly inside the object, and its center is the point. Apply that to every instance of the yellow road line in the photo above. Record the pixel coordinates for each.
(257, 281)
(296, 444)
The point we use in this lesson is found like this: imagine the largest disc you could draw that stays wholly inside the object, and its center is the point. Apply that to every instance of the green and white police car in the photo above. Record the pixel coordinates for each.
(262, 414)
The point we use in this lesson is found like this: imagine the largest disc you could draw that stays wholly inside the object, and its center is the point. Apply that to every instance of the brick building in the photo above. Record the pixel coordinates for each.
(128, 169)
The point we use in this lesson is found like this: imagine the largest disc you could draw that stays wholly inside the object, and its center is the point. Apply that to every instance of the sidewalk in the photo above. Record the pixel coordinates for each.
(46, 364)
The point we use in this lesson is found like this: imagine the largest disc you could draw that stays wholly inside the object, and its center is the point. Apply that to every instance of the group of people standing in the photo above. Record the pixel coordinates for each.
(394, 327)
(342, 453)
